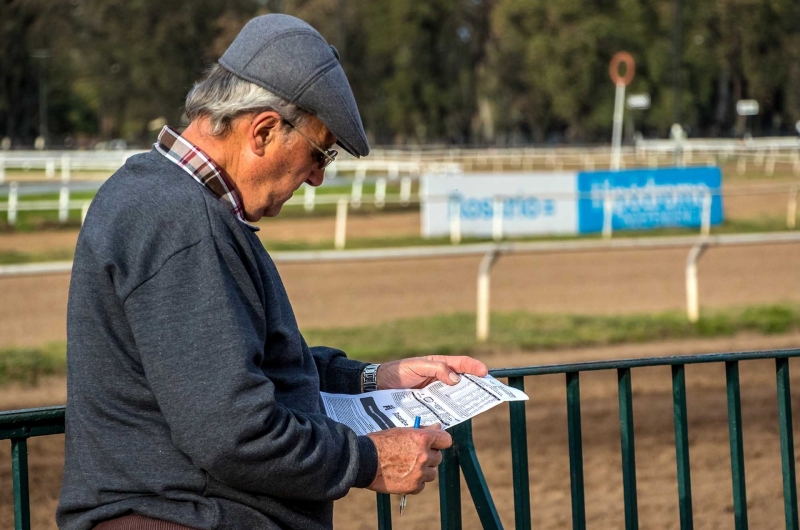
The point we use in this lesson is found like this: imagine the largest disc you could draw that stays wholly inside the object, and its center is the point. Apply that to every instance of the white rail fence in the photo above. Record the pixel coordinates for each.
(766, 154)
(344, 203)
(491, 252)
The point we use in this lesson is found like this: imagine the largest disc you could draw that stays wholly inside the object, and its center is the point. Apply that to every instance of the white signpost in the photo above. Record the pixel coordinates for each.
(621, 81)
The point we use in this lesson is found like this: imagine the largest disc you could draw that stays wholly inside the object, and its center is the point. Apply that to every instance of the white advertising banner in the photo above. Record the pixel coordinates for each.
(531, 202)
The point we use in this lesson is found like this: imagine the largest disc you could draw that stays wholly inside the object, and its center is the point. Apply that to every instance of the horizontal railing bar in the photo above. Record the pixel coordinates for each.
(28, 423)
(446, 251)
(549, 369)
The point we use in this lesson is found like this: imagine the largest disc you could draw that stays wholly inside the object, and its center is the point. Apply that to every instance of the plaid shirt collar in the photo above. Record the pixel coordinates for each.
(202, 168)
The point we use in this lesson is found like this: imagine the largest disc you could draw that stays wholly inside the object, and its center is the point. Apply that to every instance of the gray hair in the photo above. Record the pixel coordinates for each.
(222, 97)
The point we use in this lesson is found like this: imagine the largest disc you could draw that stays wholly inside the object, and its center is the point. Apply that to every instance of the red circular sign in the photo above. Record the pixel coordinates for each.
(619, 59)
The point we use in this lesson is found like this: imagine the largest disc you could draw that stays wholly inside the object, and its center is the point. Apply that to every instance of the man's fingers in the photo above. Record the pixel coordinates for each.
(441, 440)
(462, 364)
(429, 474)
(434, 458)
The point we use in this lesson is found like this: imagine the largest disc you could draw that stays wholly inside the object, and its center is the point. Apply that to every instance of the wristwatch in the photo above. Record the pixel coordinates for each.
(369, 378)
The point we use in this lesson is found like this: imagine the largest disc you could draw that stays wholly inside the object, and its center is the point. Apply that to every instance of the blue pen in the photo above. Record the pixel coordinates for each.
(403, 498)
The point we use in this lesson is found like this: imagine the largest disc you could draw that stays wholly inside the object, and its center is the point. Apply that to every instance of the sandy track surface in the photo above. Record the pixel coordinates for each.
(547, 446)
(349, 294)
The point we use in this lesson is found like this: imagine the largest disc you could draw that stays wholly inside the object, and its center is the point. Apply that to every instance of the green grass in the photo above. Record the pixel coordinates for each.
(27, 365)
(455, 334)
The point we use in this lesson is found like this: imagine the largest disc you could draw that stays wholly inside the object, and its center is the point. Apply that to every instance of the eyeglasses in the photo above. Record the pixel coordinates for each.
(323, 157)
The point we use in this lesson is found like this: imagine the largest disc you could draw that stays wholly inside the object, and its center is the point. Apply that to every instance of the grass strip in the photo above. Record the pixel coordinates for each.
(455, 334)
(27, 365)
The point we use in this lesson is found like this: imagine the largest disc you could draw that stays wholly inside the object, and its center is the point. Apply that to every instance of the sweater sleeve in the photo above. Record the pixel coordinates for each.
(337, 373)
(200, 330)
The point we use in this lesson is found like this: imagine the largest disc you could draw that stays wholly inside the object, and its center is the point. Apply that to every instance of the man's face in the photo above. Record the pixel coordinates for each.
(288, 160)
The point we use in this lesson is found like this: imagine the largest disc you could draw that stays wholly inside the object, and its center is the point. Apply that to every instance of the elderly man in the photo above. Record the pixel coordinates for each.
(193, 400)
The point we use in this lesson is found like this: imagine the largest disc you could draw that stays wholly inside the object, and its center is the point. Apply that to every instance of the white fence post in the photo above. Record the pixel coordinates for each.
(85, 211)
(341, 224)
(309, 198)
(692, 297)
(405, 191)
(2, 169)
(13, 197)
(497, 218)
(705, 219)
(791, 209)
(484, 277)
(608, 214)
(63, 204)
(455, 220)
(380, 193)
(358, 188)
(65, 168)
(50, 168)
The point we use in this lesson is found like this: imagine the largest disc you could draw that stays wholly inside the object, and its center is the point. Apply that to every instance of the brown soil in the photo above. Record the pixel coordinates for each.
(349, 294)
(547, 446)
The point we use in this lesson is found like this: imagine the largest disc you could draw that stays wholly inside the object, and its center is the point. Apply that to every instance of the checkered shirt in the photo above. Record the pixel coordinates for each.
(202, 168)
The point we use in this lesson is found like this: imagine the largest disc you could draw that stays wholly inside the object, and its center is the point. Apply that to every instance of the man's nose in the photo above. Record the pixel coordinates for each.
(316, 177)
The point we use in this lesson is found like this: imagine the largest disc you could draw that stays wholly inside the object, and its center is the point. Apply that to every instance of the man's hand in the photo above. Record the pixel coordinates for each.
(407, 458)
(419, 372)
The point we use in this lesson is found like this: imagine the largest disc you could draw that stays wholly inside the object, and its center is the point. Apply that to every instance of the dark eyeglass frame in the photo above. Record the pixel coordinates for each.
(323, 157)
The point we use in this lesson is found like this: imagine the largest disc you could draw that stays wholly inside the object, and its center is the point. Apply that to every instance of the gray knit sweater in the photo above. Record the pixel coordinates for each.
(192, 396)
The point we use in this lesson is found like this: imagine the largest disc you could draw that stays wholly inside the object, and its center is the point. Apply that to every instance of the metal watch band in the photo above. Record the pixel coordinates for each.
(369, 378)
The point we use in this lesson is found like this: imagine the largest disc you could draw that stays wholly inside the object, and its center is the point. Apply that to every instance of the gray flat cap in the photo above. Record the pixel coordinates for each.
(291, 59)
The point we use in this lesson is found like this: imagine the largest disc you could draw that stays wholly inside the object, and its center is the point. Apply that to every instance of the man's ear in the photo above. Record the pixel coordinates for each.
(264, 128)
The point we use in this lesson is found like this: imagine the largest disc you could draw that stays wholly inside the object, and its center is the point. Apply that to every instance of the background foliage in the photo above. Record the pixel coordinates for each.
(479, 72)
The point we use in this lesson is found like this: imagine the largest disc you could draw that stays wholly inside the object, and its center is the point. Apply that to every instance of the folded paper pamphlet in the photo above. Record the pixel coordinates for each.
(436, 403)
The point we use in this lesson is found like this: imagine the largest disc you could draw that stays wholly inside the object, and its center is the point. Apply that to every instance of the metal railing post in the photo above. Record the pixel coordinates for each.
(692, 296)
(473, 476)
(384, 501)
(787, 443)
(341, 224)
(681, 424)
(519, 458)
(737, 444)
(450, 491)
(575, 440)
(628, 448)
(19, 471)
(484, 278)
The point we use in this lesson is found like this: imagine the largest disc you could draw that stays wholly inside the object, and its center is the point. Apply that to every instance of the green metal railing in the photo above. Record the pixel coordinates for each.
(18, 426)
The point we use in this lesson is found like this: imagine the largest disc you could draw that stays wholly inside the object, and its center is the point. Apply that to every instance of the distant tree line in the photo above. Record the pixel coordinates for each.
(459, 72)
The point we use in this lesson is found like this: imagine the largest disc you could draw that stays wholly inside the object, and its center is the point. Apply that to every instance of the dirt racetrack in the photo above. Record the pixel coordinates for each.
(348, 294)
(547, 446)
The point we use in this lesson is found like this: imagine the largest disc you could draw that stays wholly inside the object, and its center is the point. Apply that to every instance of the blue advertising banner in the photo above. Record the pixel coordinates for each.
(649, 198)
